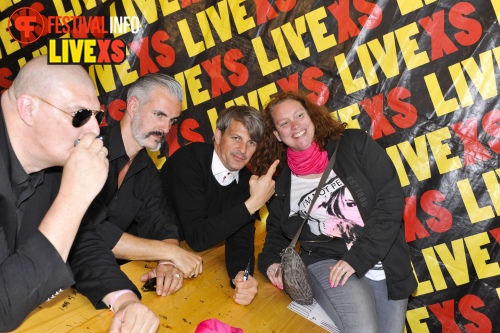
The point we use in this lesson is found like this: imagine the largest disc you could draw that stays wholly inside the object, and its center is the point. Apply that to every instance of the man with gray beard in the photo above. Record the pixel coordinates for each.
(139, 225)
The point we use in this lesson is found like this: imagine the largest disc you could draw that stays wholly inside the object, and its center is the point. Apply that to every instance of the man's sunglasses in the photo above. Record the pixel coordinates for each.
(80, 117)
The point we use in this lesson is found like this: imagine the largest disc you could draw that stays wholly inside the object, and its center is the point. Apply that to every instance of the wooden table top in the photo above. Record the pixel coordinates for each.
(207, 296)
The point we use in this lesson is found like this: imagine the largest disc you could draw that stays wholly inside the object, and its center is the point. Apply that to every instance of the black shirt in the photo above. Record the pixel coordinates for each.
(139, 206)
(31, 270)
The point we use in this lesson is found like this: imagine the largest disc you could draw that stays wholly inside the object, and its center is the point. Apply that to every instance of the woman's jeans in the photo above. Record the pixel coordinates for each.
(360, 305)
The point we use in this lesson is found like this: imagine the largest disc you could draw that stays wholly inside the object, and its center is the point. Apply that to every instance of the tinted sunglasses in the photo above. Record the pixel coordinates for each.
(80, 117)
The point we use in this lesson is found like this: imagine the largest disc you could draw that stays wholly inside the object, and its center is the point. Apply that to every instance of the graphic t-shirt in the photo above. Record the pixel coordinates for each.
(335, 213)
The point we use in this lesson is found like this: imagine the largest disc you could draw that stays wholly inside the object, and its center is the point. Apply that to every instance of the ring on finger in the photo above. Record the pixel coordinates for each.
(176, 275)
(337, 267)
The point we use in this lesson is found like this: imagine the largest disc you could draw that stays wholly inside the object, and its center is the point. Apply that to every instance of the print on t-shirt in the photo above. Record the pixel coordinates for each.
(335, 213)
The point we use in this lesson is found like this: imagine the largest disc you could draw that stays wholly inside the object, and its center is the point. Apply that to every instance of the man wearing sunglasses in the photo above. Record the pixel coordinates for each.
(46, 185)
(139, 224)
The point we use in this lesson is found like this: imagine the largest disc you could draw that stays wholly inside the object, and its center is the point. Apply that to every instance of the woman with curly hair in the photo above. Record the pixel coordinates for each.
(353, 243)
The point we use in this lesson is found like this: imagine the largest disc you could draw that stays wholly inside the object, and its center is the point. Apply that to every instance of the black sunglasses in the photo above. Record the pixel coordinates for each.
(80, 117)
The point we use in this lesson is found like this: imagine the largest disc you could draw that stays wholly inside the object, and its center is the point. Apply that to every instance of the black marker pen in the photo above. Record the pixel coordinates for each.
(247, 271)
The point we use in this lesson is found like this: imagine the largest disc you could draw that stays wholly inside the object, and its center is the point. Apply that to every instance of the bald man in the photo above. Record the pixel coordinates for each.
(42, 115)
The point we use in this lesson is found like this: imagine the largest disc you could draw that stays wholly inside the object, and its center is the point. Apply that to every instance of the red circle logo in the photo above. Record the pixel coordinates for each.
(26, 25)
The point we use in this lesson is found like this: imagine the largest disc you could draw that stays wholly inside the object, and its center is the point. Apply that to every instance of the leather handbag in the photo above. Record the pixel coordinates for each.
(295, 275)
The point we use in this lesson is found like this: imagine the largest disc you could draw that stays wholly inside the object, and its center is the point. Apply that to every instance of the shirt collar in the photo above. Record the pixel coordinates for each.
(220, 171)
(114, 142)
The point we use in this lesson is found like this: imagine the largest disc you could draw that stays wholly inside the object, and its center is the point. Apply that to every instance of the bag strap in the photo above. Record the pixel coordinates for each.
(322, 182)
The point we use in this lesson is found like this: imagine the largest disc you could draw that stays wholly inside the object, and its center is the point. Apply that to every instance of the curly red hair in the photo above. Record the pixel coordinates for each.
(270, 149)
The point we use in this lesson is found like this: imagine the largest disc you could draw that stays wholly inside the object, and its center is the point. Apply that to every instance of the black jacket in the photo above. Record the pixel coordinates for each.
(31, 269)
(367, 171)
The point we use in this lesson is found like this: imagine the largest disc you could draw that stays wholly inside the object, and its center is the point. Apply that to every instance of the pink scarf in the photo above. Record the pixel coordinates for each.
(305, 162)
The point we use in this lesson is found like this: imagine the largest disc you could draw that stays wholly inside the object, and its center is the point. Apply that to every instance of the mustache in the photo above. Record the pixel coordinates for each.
(159, 133)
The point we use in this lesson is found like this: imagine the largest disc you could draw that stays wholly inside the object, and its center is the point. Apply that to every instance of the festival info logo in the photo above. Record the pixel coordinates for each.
(27, 25)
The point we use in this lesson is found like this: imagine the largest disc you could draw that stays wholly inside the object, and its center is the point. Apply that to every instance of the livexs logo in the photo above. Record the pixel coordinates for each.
(26, 25)
(86, 51)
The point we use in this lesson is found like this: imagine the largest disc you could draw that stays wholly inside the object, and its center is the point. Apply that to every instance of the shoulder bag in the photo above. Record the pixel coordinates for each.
(295, 276)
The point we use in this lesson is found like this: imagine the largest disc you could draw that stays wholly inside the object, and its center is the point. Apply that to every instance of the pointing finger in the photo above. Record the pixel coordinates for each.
(254, 177)
(272, 169)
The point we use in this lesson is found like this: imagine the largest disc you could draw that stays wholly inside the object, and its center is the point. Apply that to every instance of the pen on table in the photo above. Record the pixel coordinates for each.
(247, 271)
(100, 137)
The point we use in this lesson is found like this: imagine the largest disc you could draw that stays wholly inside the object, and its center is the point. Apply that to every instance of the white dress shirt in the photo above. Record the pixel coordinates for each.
(221, 173)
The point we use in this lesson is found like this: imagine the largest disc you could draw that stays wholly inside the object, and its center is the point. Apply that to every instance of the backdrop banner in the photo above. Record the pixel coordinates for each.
(420, 76)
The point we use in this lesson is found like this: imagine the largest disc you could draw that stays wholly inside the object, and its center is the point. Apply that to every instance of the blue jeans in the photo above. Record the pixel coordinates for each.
(360, 305)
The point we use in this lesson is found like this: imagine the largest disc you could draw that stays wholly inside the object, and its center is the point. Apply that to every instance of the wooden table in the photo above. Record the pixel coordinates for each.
(207, 296)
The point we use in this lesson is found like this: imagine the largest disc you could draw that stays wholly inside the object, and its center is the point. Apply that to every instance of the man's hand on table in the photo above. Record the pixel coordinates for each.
(131, 316)
(169, 279)
(244, 291)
